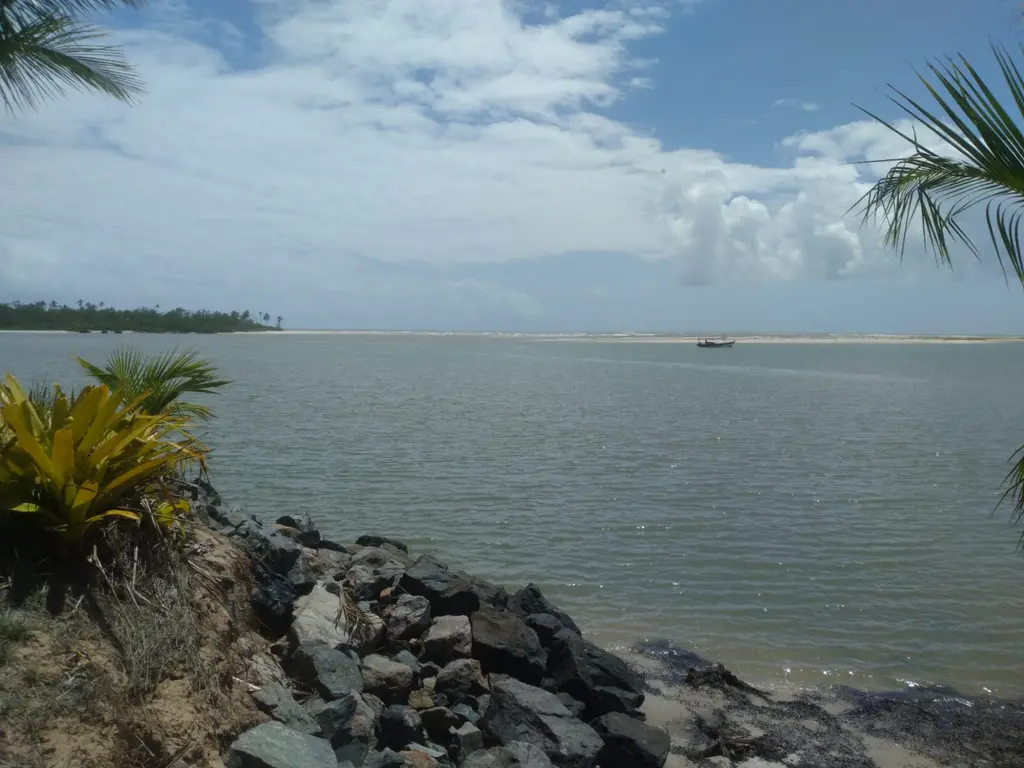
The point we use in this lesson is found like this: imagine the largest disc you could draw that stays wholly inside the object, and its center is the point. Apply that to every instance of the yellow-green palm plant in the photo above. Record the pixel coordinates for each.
(46, 48)
(984, 169)
(87, 459)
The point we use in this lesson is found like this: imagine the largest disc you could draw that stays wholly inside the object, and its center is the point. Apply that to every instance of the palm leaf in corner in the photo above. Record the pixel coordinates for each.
(984, 170)
(164, 379)
(46, 49)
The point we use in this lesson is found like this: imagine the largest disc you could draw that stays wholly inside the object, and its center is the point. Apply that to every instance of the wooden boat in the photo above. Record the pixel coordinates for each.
(715, 344)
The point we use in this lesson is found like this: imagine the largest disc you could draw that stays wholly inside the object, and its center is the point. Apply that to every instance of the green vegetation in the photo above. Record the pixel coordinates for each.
(45, 49)
(983, 167)
(43, 316)
(160, 381)
(88, 458)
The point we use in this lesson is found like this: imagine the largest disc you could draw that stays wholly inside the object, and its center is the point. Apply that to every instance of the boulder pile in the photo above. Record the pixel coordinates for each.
(394, 661)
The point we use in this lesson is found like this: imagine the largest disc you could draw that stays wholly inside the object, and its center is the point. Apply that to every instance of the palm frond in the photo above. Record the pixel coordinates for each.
(165, 379)
(932, 190)
(46, 50)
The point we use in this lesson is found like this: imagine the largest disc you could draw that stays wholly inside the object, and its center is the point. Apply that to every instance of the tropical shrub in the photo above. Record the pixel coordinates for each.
(160, 382)
(89, 458)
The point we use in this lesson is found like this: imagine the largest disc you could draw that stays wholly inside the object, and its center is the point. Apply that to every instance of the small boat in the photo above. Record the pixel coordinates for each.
(715, 343)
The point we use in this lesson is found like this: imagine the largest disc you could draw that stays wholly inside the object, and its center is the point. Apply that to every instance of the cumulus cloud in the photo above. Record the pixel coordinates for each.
(371, 150)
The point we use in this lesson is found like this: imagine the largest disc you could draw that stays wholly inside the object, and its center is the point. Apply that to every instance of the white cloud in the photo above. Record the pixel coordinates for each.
(445, 132)
(805, 106)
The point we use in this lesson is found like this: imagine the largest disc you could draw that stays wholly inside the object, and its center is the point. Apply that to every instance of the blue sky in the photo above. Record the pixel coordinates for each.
(485, 165)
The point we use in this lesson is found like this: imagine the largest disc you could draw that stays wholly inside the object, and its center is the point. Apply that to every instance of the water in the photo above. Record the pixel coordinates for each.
(804, 513)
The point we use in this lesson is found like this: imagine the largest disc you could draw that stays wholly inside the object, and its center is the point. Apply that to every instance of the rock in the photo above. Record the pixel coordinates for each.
(449, 593)
(368, 634)
(437, 721)
(272, 745)
(505, 645)
(449, 638)
(366, 583)
(330, 672)
(405, 657)
(521, 712)
(421, 699)
(576, 708)
(399, 726)
(429, 669)
(601, 680)
(546, 626)
(515, 755)
(302, 523)
(377, 541)
(328, 562)
(387, 679)
(467, 713)
(405, 759)
(273, 599)
(467, 739)
(270, 547)
(333, 546)
(278, 702)
(629, 742)
(301, 577)
(462, 676)
(263, 669)
(375, 703)
(408, 618)
(529, 600)
(319, 618)
(349, 725)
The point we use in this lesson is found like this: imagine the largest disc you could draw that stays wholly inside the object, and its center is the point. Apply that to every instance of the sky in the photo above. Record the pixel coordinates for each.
(497, 165)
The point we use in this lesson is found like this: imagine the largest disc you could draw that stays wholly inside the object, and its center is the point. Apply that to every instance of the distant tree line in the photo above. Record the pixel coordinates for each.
(86, 317)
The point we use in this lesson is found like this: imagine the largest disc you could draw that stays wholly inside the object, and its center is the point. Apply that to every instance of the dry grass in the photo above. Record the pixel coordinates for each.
(139, 670)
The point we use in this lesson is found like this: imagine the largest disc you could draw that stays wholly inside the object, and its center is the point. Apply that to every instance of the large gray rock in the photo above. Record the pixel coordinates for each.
(505, 645)
(518, 712)
(386, 679)
(370, 540)
(366, 583)
(349, 724)
(437, 721)
(408, 618)
(319, 617)
(467, 739)
(449, 593)
(330, 672)
(461, 677)
(627, 741)
(273, 745)
(278, 702)
(449, 638)
(600, 680)
(516, 755)
(529, 600)
(272, 548)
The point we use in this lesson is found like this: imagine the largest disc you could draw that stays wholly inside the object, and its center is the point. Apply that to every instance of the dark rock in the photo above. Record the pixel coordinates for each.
(449, 638)
(462, 676)
(408, 618)
(630, 742)
(333, 546)
(530, 600)
(518, 712)
(327, 562)
(301, 523)
(449, 593)
(375, 703)
(505, 645)
(405, 759)
(576, 708)
(488, 593)
(405, 657)
(272, 745)
(515, 755)
(309, 539)
(273, 600)
(377, 541)
(599, 679)
(429, 669)
(467, 739)
(437, 721)
(383, 560)
(467, 713)
(330, 672)
(349, 725)
(278, 702)
(546, 626)
(301, 577)
(399, 726)
(387, 679)
(366, 583)
(270, 547)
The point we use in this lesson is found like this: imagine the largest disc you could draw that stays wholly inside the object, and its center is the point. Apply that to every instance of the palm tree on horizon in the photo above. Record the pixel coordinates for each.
(46, 48)
(983, 170)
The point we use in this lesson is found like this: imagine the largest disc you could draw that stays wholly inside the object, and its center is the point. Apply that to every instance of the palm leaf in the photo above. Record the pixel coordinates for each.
(46, 50)
(933, 190)
(163, 380)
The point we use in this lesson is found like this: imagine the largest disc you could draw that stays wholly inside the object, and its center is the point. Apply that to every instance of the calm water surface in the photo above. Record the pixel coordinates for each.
(804, 513)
